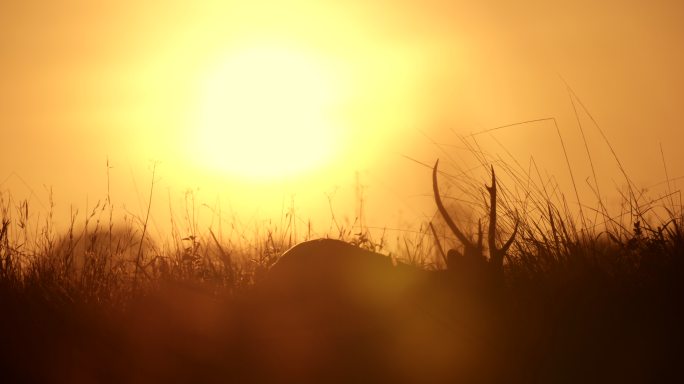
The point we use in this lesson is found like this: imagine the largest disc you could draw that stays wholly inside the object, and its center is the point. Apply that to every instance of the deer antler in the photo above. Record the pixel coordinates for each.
(470, 249)
(496, 255)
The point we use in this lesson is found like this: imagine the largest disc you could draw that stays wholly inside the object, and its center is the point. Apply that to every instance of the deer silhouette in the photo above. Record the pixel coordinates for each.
(339, 265)
(334, 306)
(472, 260)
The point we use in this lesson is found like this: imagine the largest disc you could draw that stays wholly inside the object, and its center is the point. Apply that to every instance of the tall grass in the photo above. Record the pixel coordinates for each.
(592, 295)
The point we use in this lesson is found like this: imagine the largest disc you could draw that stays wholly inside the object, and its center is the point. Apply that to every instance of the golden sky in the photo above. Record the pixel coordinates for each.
(255, 102)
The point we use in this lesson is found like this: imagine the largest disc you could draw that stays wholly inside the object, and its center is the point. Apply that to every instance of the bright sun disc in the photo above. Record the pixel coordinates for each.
(266, 113)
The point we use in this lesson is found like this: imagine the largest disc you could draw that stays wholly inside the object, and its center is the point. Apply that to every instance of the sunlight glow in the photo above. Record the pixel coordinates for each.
(266, 112)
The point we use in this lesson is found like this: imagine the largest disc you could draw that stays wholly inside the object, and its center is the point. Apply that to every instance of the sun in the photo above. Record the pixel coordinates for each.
(266, 112)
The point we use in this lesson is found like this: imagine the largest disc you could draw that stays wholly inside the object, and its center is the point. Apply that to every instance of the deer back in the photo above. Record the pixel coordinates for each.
(327, 269)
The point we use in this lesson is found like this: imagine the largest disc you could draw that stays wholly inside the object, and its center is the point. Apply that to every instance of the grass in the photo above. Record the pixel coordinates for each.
(590, 296)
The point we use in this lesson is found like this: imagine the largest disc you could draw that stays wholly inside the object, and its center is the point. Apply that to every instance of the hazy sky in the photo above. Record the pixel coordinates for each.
(132, 82)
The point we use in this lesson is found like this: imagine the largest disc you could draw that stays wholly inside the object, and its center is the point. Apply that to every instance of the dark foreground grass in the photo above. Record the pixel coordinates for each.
(580, 304)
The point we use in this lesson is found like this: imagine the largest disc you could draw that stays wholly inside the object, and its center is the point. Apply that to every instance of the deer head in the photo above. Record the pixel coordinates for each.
(473, 252)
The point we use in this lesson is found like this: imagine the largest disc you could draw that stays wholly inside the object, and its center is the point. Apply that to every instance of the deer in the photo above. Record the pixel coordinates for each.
(343, 263)
(472, 260)
(361, 302)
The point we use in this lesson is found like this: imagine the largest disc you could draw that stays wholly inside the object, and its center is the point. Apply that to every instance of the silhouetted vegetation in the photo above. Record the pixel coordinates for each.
(599, 301)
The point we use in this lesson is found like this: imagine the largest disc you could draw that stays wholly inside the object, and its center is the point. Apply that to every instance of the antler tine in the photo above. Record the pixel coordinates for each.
(438, 200)
(505, 247)
(497, 254)
(492, 216)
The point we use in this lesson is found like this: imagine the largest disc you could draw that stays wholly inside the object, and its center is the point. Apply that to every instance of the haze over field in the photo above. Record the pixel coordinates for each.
(254, 103)
(305, 191)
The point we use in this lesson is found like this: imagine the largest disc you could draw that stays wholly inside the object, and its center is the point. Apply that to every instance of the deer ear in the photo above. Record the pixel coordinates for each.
(453, 258)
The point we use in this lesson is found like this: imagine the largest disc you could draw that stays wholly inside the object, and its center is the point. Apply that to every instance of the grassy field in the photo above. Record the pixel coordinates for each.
(585, 299)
